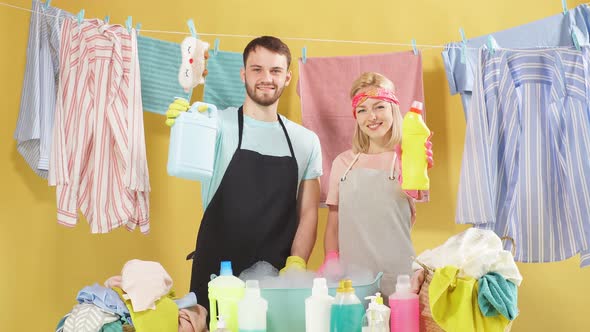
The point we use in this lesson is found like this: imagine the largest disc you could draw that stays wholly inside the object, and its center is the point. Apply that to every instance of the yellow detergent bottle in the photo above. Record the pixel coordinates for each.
(414, 136)
(225, 292)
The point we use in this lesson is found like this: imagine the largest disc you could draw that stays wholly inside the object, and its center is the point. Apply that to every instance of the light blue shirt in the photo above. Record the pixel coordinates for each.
(266, 138)
(104, 298)
(550, 32)
(37, 106)
(525, 163)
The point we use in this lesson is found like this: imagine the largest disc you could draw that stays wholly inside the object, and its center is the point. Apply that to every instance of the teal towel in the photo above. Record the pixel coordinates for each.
(115, 326)
(497, 296)
(223, 86)
(159, 63)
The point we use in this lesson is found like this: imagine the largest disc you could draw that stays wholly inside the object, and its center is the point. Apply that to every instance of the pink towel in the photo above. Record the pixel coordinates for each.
(324, 86)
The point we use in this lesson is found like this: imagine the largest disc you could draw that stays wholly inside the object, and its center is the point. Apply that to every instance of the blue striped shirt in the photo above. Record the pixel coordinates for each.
(527, 149)
(37, 107)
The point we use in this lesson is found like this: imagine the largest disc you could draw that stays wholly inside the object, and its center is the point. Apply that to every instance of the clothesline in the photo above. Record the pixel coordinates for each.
(360, 42)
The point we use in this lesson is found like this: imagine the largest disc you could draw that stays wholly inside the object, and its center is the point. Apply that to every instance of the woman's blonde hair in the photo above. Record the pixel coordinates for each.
(360, 140)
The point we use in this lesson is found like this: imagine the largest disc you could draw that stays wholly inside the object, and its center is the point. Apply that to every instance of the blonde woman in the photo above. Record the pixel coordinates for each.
(370, 216)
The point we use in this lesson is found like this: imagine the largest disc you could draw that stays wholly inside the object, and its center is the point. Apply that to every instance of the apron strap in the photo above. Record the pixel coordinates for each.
(391, 177)
(241, 130)
(350, 166)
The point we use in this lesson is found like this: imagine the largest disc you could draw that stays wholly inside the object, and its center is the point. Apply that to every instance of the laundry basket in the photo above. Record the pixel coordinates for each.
(427, 323)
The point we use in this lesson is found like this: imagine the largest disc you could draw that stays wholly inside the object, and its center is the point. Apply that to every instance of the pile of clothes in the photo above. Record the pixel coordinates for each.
(140, 299)
(475, 282)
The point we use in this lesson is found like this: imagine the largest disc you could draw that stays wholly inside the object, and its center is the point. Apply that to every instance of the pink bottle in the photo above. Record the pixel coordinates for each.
(405, 316)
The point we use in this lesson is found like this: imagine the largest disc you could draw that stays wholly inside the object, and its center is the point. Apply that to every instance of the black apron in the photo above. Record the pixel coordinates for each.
(252, 216)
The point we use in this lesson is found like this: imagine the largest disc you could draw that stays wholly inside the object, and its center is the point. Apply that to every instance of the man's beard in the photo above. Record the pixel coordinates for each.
(264, 100)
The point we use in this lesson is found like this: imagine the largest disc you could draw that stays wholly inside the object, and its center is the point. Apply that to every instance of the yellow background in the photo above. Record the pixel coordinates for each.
(43, 265)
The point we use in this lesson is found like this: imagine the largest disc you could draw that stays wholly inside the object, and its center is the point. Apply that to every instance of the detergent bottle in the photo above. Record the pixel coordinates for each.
(317, 307)
(405, 314)
(414, 136)
(376, 318)
(347, 311)
(252, 309)
(225, 292)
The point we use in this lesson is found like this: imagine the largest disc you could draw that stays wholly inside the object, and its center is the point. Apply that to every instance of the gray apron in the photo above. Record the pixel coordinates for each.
(374, 221)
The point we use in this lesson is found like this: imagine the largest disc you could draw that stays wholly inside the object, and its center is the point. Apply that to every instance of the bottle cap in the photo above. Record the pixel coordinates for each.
(345, 286)
(320, 287)
(226, 269)
(417, 107)
(403, 283)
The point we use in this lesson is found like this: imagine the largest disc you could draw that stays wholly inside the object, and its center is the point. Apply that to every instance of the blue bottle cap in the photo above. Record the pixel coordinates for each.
(226, 269)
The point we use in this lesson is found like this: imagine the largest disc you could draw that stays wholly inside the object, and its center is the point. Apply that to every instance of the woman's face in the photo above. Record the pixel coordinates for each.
(375, 118)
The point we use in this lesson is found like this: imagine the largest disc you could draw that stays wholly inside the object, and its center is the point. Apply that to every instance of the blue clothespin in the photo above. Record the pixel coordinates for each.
(414, 47)
(304, 54)
(216, 46)
(491, 44)
(129, 23)
(463, 45)
(138, 27)
(575, 39)
(564, 6)
(107, 19)
(191, 28)
(81, 16)
(47, 3)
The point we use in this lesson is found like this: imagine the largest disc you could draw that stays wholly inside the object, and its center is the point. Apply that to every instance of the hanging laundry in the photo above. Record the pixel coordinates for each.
(224, 87)
(159, 61)
(525, 161)
(549, 32)
(98, 159)
(324, 85)
(37, 106)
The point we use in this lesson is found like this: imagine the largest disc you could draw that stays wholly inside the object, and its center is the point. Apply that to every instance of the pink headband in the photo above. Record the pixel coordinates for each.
(377, 93)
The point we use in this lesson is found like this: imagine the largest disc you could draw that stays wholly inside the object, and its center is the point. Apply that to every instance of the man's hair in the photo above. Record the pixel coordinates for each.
(272, 44)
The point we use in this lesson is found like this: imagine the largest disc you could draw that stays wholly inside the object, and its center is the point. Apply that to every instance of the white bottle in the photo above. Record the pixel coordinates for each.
(221, 325)
(252, 309)
(377, 316)
(317, 307)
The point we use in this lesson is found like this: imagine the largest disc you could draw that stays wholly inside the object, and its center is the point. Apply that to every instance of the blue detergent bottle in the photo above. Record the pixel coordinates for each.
(347, 312)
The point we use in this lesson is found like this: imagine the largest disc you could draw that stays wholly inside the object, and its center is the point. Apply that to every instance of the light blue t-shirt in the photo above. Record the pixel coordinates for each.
(266, 138)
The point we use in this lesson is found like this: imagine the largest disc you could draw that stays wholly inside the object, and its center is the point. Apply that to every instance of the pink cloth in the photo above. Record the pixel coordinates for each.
(114, 281)
(324, 86)
(145, 282)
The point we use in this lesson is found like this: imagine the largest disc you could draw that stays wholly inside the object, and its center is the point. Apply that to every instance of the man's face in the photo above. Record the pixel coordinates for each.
(265, 76)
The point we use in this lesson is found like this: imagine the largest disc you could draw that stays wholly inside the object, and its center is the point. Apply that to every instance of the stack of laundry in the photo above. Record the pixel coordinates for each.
(140, 299)
(471, 283)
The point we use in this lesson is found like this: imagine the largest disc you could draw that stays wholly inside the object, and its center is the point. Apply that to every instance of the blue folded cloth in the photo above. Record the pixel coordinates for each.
(497, 296)
(104, 298)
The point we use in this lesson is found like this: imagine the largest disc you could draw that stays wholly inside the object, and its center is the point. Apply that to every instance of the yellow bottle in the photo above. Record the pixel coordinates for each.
(414, 136)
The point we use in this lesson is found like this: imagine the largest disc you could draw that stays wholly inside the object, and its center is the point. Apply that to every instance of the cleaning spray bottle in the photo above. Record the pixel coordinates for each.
(346, 314)
(405, 313)
(377, 317)
(414, 163)
(317, 307)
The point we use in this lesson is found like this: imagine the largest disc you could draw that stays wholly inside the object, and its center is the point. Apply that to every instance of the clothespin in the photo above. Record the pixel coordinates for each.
(47, 3)
(191, 28)
(463, 45)
(491, 44)
(216, 46)
(414, 47)
(137, 28)
(107, 19)
(304, 54)
(81, 16)
(575, 39)
(129, 23)
(564, 6)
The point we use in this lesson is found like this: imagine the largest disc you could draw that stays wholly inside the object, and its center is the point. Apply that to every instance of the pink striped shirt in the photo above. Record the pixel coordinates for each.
(98, 162)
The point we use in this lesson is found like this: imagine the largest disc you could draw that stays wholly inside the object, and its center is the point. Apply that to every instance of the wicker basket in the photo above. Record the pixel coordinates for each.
(427, 323)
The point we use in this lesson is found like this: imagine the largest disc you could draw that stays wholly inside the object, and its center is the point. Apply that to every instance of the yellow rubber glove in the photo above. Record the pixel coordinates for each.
(178, 106)
(294, 262)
